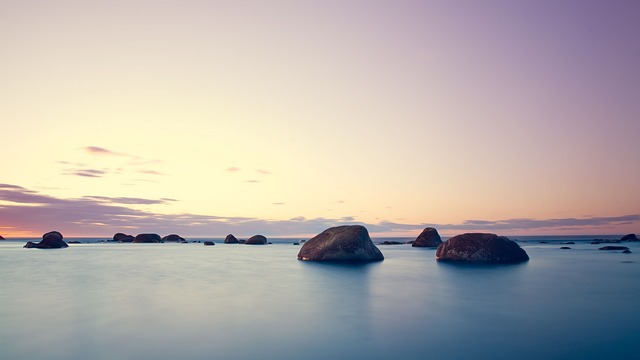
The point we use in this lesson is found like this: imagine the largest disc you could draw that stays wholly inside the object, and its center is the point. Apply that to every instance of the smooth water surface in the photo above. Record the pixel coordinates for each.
(189, 301)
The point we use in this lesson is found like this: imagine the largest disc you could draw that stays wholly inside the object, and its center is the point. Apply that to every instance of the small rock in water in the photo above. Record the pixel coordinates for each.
(611, 247)
(257, 240)
(209, 243)
(173, 238)
(565, 248)
(230, 239)
(50, 240)
(429, 237)
(627, 251)
(147, 238)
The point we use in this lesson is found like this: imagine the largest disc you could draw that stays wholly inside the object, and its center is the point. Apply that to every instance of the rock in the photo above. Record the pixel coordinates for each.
(390, 243)
(1, 238)
(481, 247)
(50, 240)
(242, 241)
(296, 243)
(565, 248)
(303, 241)
(120, 237)
(147, 238)
(256, 240)
(429, 237)
(173, 238)
(74, 242)
(628, 237)
(341, 243)
(543, 242)
(209, 243)
(627, 251)
(611, 247)
(569, 243)
(230, 239)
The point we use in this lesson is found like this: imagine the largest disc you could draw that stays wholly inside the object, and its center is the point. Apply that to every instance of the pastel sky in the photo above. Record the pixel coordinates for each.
(287, 117)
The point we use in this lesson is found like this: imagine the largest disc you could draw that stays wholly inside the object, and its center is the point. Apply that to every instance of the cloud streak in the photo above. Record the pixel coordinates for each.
(26, 210)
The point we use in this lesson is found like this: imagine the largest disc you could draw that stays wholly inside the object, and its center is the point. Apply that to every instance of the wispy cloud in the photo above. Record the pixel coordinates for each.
(278, 203)
(232, 169)
(92, 173)
(253, 181)
(128, 200)
(263, 172)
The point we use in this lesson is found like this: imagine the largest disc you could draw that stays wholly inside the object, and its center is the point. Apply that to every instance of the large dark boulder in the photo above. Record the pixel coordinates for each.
(341, 243)
(120, 237)
(1, 238)
(429, 237)
(628, 237)
(173, 238)
(256, 240)
(147, 238)
(50, 240)
(230, 239)
(481, 248)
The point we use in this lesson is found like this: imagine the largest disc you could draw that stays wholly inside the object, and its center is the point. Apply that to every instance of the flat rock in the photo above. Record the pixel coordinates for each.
(612, 247)
(481, 248)
(230, 239)
(256, 240)
(173, 238)
(147, 238)
(209, 243)
(50, 240)
(341, 243)
(429, 237)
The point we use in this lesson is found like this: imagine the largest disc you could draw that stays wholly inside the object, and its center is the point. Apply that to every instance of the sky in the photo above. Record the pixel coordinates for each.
(284, 118)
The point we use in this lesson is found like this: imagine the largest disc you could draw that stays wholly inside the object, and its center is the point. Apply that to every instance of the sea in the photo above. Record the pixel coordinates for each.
(98, 300)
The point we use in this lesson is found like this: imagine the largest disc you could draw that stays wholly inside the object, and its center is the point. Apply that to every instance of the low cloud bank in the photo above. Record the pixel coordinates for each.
(25, 210)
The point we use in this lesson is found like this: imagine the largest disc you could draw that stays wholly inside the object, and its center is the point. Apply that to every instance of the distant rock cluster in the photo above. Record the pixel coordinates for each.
(351, 243)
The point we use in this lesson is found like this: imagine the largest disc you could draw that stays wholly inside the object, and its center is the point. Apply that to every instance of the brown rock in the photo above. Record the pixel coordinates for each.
(173, 238)
(429, 237)
(481, 247)
(147, 238)
(120, 237)
(50, 240)
(341, 243)
(230, 239)
(256, 240)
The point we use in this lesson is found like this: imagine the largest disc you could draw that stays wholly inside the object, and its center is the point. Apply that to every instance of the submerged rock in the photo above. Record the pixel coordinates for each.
(120, 237)
(147, 238)
(209, 243)
(256, 240)
(627, 251)
(341, 243)
(429, 237)
(50, 240)
(611, 247)
(390, 243)
(481, 247)
(230, 239)
(628, 237)
(173, 238)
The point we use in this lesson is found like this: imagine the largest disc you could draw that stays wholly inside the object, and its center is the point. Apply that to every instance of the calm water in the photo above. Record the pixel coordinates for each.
(177, 301)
